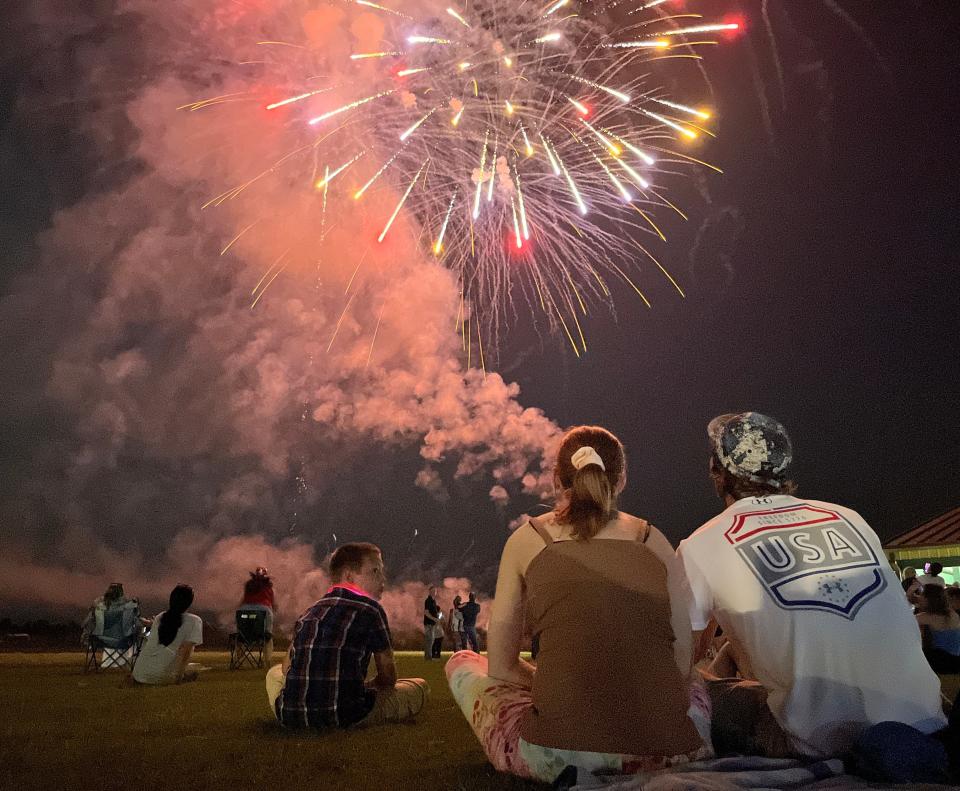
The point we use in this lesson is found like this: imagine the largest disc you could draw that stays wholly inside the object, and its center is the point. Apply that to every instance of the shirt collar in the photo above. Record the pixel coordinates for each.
(349, 587)
(763, 502)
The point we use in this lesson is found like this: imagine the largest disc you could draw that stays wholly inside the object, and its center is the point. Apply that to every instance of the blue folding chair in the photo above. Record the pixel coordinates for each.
(116, 642)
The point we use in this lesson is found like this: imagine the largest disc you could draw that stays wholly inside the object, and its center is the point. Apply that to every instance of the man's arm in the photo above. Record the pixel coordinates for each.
(702, 639)
(700, 601)
(386, 677)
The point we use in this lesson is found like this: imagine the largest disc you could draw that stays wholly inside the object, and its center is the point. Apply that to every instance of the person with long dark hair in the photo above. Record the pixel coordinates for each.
(165, 657)
(602, 591)
(258, 596)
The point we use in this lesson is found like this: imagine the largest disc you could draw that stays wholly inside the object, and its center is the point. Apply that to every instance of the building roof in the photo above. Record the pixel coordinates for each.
(941, 530)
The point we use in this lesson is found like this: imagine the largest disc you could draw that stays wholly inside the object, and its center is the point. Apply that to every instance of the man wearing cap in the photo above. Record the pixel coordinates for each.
(803, 591)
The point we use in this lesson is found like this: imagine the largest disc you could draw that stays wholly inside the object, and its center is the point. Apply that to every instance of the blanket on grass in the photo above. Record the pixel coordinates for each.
(736, 774)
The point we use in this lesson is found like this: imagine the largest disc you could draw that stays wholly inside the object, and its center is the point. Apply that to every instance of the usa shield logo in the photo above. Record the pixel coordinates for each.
(808, 558)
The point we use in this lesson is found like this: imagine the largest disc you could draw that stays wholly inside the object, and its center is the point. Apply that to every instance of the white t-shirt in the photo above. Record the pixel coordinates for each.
(155, 663)
(929, 579)
(804, 587)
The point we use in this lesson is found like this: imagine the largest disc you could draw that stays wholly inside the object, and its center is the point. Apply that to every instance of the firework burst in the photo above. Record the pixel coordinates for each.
(527, 140)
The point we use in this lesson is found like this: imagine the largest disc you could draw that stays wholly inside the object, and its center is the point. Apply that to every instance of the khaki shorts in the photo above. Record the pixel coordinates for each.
(399, 704)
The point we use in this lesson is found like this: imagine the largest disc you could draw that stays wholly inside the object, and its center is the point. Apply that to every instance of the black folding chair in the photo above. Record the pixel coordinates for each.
(248, 642)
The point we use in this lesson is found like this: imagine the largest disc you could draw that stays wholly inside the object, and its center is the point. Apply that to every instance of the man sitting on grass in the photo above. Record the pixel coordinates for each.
(321, 682)
(818, 632)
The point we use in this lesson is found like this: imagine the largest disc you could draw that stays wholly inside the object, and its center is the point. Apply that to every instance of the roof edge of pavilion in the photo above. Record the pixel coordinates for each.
(939, 533)
(924, 548)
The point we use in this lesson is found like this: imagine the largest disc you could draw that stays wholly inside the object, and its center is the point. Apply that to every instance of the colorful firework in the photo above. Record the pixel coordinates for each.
(526, 139)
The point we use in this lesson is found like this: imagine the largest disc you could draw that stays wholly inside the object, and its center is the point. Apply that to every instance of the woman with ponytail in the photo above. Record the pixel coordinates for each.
(165, 657)
(603, 594)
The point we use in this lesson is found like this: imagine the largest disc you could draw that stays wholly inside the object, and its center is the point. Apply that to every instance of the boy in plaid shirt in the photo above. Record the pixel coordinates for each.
(322, 683)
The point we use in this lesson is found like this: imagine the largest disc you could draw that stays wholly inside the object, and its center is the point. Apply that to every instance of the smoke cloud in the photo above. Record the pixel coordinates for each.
(218, 570)
(199, 388)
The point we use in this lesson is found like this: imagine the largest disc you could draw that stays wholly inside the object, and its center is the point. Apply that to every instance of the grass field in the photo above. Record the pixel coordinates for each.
(64, 729)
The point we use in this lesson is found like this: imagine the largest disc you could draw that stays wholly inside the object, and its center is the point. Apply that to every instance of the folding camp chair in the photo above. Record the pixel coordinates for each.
(117, 642)
(248, 642)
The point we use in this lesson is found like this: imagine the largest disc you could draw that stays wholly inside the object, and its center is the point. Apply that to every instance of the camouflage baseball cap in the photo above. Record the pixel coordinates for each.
(752, 447)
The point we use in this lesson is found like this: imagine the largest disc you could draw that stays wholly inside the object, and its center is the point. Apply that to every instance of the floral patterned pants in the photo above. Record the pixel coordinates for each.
(495, 711)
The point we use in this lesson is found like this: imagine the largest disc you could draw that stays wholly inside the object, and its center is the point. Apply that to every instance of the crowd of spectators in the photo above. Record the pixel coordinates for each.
(775, 629)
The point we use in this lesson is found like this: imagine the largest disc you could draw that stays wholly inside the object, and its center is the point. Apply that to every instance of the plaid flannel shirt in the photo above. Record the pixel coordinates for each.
(329, 657)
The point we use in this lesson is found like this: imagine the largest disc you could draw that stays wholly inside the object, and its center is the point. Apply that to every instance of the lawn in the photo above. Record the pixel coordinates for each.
(64, 729)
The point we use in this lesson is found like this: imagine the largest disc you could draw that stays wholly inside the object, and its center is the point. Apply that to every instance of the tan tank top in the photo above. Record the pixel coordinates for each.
(607, 680)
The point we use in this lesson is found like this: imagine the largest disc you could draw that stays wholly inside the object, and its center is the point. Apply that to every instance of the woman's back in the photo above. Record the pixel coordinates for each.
(156, 661)
(607, 678)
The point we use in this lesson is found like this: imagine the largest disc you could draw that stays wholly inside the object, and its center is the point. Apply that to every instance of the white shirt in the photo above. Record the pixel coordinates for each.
(929, 579)
(155, 663)
(804, 587)
(456, 620)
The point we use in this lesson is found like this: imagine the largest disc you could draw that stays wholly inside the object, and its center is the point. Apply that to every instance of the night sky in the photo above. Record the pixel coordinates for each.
(820, 273)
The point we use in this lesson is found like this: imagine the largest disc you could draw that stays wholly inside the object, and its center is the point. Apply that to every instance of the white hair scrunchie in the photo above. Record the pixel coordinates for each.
(586, 455)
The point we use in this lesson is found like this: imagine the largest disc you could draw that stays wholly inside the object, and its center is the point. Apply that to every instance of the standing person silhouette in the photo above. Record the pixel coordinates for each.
(431, 623)
(456, 625)
(470, 612)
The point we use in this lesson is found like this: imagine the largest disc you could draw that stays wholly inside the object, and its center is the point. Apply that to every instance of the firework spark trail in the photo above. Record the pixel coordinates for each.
(685, 31)
(298, 98)
(381, 8)
(509, 76)
(438, 246)
(493, 171)
(516, 225)
(328, 176)
(396, 211)
(267, 280)
(483, 162)
(406, 133)
(348, 107)
(359, 193)
(523, 211)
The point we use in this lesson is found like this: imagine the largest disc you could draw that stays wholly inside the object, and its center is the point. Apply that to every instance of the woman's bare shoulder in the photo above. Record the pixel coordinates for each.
(525, 536)
(526, 543)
